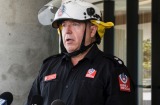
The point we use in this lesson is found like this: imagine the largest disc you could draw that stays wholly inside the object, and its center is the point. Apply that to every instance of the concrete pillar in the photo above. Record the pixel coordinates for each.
(24, 43)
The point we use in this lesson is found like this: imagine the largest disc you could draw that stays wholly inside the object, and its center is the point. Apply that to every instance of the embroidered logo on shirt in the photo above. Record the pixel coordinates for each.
(91, 73)
(50, 77)
(124, 83)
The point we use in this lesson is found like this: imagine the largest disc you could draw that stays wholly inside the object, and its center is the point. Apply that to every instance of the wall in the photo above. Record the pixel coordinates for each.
(24, 43)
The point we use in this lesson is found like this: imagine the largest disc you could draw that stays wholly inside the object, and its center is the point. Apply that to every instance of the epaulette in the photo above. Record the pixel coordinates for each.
(51, 57)
(117, 61)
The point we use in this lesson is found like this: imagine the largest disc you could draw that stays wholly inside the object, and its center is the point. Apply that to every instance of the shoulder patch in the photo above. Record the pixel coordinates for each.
(122, 74)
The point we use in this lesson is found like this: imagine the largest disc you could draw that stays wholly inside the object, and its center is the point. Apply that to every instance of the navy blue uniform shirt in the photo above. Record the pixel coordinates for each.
(95, 80)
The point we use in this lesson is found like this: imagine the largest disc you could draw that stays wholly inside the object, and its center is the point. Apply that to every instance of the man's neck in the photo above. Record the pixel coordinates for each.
(79, 57)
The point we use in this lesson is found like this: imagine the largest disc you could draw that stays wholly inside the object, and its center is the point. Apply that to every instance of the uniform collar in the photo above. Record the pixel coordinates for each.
(90, 55)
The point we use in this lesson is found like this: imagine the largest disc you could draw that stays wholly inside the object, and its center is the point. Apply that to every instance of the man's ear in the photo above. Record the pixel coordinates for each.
(93, 30)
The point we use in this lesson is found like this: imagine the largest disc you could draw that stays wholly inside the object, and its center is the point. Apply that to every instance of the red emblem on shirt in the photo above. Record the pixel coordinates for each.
(91, 73)
(124, 83)
(50, 77)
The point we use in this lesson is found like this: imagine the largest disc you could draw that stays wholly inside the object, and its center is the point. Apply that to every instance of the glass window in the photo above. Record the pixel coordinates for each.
(144, 45)
(145, 33)
(120, 29)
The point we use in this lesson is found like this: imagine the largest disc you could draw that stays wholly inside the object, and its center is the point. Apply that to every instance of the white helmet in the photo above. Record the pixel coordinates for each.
(81, 10)
(76, 10)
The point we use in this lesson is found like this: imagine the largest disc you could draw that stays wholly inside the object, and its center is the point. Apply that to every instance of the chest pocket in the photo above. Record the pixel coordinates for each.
(49, 87)
(90, 90)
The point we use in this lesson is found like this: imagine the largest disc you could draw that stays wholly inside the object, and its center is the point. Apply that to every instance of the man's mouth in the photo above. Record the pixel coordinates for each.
(69, 40)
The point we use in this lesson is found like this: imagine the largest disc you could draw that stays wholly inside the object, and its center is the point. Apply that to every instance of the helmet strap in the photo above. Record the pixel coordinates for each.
(63, 49)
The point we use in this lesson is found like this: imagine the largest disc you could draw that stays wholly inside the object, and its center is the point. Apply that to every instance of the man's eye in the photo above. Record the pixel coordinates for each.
(75, 24)
(63, 25)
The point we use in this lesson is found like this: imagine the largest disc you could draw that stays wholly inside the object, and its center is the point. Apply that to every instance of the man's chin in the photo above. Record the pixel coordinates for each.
(71, 50)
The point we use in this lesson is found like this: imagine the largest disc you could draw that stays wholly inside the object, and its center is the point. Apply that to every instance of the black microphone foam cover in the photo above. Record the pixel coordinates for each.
(36, 99)
(57, 102)
(7, 96)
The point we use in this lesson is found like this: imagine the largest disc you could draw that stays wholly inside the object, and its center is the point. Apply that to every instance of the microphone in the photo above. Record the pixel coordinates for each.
(57, 102)
(36, 100)
(6, 98)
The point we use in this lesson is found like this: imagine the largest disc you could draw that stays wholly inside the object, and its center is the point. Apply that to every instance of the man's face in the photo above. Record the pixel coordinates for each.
(72, 34)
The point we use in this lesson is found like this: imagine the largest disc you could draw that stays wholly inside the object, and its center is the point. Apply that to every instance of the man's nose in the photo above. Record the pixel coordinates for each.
(68, 29)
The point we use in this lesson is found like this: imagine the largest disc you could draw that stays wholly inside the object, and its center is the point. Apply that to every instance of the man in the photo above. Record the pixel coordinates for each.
(82, 74)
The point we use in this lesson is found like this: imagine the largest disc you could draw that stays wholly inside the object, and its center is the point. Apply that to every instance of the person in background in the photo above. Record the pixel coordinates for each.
(82, 74)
